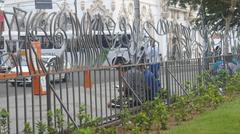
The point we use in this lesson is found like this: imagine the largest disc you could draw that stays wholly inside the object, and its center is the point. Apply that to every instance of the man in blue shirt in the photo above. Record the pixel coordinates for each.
(143, 86)
(153, 84)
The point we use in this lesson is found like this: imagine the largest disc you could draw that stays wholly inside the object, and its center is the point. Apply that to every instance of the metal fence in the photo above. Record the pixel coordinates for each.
(67, 91)
(85, 42)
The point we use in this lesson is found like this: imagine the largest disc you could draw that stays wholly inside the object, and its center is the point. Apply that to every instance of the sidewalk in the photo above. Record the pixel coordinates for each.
(96, 101)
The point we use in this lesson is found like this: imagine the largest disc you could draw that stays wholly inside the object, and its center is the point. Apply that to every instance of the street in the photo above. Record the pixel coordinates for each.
(21, 102)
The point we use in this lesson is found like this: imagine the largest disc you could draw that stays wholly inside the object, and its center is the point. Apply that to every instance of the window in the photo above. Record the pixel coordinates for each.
(122, 40)
(125, 40)
(45, 43)
(12, 46)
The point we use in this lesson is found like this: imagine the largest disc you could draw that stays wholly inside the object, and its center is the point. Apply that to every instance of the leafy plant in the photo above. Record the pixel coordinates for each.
(160, 112)
(87, 130)
(59, 119)
(50, 127)
(148, 108)
(163, 94)
(185, 106)
(142, 121)
(70, 127)
(110, 130)
(136, 130)
(157, 112)
(232, 85)
(3, 121)
(41, 127)
(125, 117)
(85, 120)
(27, 128)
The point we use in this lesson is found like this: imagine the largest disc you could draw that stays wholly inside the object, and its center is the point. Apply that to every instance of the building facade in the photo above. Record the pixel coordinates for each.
(151, 11)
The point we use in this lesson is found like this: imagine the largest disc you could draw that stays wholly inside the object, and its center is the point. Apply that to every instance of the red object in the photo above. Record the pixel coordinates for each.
(37, 87)
(1, 20)
(87, 79)
(1, 17)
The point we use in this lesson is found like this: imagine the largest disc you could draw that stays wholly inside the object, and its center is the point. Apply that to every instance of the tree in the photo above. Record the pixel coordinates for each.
(216, 15)
(137, 26)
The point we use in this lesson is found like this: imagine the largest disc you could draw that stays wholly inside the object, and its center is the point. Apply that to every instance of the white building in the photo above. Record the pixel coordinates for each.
(150, 10)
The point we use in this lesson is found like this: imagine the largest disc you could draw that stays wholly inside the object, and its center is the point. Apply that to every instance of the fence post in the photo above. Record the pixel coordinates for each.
(48, 98)
(120, 87)
(199, 66)
(167, 82)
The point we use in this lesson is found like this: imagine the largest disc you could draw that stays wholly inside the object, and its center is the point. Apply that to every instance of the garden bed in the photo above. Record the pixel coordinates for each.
(223, 120)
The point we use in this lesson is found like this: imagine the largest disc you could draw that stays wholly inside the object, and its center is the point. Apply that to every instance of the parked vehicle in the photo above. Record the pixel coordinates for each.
(118, 56)
(4, 69)
(50, 62)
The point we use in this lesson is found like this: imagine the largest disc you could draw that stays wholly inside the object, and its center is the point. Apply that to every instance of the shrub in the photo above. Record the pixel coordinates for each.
(50, 127)
(3, 121)
(110, 130)
(233, 86)
(87, 130)
(41, 127)
(160, 112)
(27, 128)
(179, 109)
(59, 119)
(142, 122)
(156, 112)
(85, 121)
(125, 117)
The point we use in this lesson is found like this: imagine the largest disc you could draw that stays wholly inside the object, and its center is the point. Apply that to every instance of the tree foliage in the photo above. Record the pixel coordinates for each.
(217, 12)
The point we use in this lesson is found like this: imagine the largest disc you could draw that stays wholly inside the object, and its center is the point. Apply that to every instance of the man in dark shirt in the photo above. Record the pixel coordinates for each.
(139, 85)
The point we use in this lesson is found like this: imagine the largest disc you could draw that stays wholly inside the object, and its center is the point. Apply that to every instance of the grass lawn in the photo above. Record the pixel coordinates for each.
(224, 120)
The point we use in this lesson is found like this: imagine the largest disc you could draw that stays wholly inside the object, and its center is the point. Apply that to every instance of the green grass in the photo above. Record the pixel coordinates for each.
(224, 120)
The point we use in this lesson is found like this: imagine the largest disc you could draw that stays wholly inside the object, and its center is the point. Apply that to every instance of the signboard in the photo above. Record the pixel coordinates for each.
(43, 4)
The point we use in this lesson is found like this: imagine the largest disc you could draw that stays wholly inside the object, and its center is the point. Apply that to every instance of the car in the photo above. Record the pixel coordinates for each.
(4, 68)
(51, 62)
(119, 53)
(118, 56)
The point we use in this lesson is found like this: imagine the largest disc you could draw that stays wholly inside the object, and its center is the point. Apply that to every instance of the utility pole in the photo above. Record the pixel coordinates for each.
(137, 27)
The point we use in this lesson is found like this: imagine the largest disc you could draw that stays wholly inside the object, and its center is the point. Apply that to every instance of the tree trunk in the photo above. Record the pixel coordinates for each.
(228, 20)
(137, 26)
(205, 35)
(226, 33)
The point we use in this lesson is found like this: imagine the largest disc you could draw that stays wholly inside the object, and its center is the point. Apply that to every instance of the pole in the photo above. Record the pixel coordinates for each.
(48, 97)
(137, 26)
(205, 34)
(75, 5)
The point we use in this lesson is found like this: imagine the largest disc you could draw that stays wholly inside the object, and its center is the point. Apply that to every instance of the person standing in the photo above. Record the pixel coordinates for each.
(153, 57)
(153, 54)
